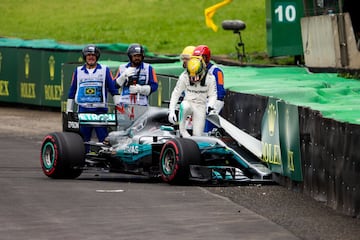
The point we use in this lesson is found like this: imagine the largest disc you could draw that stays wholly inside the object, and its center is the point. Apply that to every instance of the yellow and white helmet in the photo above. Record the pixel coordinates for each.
(187, 52)
(196, 68)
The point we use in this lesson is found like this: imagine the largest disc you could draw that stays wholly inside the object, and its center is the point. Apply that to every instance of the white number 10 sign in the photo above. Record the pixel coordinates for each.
(285, 13)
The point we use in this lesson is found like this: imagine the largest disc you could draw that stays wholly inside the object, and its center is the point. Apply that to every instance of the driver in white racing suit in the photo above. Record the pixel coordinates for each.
(199, 88)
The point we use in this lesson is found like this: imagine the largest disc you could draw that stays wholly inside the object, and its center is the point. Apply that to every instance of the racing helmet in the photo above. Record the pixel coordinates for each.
(187, 52)
(91, 49)
(204, 51)
(196, 69)
(135, 48)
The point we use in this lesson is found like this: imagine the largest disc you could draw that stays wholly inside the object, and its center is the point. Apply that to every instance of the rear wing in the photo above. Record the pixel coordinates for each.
(122, 118)
(103, 119)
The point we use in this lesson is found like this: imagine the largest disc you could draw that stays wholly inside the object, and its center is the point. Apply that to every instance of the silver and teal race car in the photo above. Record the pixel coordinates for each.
(142, 142)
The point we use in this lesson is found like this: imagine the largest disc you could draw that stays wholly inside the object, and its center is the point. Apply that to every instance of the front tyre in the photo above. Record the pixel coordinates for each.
(62, 155)
(175, 157)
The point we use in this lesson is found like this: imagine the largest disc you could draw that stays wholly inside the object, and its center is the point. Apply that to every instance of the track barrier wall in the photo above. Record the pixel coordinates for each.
(329, 156)
(33, 76)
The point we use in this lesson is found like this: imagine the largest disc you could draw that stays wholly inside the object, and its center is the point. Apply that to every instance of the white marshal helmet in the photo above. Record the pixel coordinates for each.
(91, 49)
(135, 48)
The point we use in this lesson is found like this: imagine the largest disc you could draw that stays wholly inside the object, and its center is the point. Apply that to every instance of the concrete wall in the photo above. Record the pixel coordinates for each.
(327, 44)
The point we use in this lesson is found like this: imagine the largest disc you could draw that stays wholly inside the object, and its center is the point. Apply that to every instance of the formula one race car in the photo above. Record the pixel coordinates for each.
(141, 141)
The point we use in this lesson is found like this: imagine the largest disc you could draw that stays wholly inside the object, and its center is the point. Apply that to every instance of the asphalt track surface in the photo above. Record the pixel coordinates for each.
(113, 206)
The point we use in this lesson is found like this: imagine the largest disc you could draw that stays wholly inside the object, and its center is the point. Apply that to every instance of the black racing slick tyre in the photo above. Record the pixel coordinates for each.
(62, 155)
(175, 157)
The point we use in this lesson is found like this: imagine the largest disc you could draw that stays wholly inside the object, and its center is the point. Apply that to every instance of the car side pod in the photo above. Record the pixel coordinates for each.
(249, 142)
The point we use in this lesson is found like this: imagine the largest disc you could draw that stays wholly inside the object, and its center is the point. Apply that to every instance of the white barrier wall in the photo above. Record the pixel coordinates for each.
(322, 43)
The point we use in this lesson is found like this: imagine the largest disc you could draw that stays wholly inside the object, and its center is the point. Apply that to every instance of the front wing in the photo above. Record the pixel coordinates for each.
(217, 173)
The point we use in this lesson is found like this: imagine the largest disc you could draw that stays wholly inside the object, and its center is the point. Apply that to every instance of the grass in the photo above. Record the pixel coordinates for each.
(163, 26)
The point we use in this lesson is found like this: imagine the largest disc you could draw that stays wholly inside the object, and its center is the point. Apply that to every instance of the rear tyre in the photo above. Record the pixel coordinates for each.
(175, 157)
(62, 155)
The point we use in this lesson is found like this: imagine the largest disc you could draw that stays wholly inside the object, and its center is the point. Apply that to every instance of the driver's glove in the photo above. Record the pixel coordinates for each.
(172, 117)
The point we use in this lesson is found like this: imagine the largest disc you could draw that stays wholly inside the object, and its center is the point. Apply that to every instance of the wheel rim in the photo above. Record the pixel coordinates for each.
(168, 161)
(48, 155)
